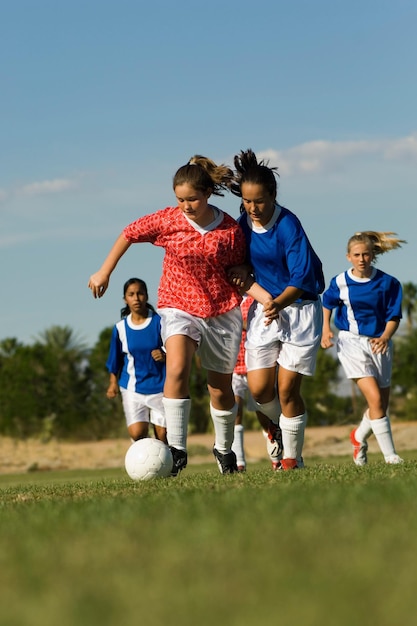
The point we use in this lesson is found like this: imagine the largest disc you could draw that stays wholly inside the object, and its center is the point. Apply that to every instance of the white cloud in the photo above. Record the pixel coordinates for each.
(323, 156)
(57, 185)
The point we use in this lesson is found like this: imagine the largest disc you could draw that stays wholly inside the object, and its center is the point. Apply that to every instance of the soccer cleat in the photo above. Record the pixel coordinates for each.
(394, 459)
(289, 464)
(360, 449)
(226, 462)
(273, 439)
(180, 460)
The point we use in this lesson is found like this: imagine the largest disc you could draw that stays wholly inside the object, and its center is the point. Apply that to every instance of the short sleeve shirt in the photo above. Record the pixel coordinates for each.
(194, 271)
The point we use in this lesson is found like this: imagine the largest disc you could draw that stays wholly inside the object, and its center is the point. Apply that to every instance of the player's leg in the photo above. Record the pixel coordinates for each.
(239, 387)
(177, 403)
(293, 417)
(379, 420)
(223, 410)
(262, 384)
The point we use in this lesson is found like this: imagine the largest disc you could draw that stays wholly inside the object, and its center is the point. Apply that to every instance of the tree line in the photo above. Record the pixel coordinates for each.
(56, 387)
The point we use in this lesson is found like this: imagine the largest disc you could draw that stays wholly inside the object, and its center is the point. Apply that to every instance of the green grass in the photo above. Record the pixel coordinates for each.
(331, 545)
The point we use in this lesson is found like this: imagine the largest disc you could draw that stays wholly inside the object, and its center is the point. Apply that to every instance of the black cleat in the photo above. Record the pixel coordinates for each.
(226, 462)
(180, 460)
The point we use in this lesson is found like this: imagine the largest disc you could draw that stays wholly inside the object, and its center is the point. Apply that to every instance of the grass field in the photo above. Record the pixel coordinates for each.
(332, 545)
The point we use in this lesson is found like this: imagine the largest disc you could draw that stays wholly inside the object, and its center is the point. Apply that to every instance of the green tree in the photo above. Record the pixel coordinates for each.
(106, 416)
(65, 382)
(404, 377)
(21, 388)
(409, 303)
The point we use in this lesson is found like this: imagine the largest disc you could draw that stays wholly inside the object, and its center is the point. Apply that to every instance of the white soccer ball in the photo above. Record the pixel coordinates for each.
(147, 459)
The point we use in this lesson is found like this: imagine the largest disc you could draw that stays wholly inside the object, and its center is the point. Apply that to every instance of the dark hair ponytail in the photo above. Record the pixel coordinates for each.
(249, 170)
(124, 312)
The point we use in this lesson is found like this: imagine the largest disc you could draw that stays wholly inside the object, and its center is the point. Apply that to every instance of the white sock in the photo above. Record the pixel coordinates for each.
(224, 426)
(364, 429)
(271, 409)
(293, 435)
(382, 430)
(177, 414)
(237, 446)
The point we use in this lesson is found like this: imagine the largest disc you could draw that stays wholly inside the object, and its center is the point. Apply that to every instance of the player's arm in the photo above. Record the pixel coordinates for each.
(327, 334)
(287, 297)
(379, 345)
(99, 281)
(113, 388)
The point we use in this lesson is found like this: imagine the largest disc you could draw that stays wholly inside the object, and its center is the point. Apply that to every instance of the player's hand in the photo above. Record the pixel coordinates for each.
(379, 345)
(238, 275)
(326, 340)
(158, 355)
(98, 284)
(271, 310)
(112, 391)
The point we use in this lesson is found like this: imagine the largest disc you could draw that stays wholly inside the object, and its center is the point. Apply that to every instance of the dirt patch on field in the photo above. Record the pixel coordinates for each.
(33, 455)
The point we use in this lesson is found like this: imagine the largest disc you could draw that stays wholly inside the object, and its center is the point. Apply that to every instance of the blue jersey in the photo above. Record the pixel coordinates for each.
(363, 306)
(281, 255)
(130, 356)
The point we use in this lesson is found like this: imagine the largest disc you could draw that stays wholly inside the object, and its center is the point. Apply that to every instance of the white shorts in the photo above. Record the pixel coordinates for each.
(218, 338)
(138, 407)
(358, 360)
(241, 389)
(292, 341)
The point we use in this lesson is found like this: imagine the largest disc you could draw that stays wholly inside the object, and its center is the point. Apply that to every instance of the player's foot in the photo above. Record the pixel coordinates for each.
(288, 464)
(273, 439)
(394, 459)
(180, 460)
(360, 449)
(226, 462)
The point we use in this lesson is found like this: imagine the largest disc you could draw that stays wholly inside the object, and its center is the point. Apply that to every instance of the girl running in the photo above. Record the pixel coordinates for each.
(367, 305)
(285, 265)
(136, 363)
(199, 308)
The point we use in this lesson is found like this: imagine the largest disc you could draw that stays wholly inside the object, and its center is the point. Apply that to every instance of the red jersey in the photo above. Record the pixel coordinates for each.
(196, 259)
(240, 367)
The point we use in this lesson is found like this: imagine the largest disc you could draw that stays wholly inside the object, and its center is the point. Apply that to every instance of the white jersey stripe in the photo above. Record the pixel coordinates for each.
(131, 385)
(344, 296)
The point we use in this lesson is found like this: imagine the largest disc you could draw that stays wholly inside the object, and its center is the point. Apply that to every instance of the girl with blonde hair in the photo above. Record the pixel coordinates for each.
(367, 305)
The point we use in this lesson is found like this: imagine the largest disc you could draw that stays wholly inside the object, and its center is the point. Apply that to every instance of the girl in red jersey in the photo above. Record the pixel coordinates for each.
(199, 308)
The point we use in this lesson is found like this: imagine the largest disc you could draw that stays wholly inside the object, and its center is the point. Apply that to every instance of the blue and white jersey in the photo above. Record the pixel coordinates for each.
(363, 306)
(281, 255)
(130, 356)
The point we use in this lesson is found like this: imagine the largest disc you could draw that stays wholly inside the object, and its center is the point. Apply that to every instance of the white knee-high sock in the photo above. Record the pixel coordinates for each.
(364, 429)
(177, 414)
(271, 409)
(224, 426)
(237, 446)
(382, 430)
(293, 435)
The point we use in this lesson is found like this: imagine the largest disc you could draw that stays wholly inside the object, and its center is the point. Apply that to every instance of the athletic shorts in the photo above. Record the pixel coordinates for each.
(241, 389)
(292, 340)
(139, 407)
(218, 338)
(358, 361)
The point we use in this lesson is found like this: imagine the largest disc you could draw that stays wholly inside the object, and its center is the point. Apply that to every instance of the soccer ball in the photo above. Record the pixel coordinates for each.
(147, 459)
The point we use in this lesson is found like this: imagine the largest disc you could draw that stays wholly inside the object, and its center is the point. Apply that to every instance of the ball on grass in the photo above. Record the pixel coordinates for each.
(147, 459)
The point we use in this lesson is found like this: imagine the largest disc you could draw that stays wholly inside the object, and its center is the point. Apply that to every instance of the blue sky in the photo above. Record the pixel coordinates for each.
(102, 101)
